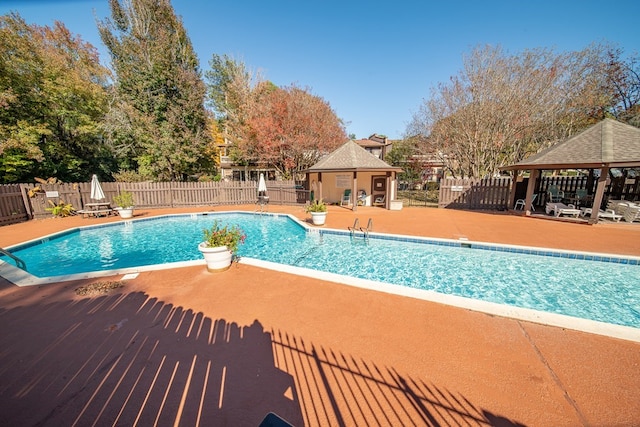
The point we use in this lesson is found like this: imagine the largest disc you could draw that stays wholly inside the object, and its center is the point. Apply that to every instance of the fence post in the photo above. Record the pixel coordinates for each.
(26, 200)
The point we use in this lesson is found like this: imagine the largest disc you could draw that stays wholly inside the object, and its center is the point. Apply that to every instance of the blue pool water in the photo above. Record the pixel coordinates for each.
(596, 290)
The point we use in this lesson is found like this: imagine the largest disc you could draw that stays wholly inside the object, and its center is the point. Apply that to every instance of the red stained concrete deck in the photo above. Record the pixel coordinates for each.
(187, 347)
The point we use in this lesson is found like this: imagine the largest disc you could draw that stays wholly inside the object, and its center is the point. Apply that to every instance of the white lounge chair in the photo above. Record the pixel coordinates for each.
(632, 213)
(561, 209)
(520, 203)
(362, 197)
(608, 214)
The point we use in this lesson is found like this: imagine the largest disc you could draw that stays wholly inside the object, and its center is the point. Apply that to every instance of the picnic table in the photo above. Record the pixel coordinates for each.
(96, 209)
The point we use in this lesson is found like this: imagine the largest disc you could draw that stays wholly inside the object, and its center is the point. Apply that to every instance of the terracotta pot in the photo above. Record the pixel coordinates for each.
(218, 258)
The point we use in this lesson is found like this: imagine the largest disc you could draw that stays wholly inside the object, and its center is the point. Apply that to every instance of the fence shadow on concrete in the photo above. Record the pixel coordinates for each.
(132, 360)
(129, 359)
(341, 390)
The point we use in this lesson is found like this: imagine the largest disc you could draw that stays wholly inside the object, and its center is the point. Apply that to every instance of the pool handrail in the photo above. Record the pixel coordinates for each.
(19, 263)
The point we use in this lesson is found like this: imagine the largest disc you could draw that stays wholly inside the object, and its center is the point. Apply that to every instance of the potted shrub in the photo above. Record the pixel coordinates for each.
(124, 203)
(318, 211)
(219, 245)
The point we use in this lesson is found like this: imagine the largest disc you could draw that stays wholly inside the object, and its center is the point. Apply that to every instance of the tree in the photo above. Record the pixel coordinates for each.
(623, 84)
(52, 100)
(405, 154)
(157, 120)
(501, 108)
(284, 128)
(291, 130)
(233, 92)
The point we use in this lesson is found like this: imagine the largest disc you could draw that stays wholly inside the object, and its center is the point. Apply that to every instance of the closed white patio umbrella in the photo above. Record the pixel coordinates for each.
(262, 186)
(96, 189)
(263, 199)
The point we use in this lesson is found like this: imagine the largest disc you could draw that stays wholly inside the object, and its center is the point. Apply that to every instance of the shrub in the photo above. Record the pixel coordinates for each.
(124, 199)
(317, 206)
(61, 209)
(229, 236)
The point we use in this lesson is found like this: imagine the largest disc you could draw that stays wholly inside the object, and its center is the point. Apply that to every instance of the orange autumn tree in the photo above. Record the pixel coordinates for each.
(291, 129)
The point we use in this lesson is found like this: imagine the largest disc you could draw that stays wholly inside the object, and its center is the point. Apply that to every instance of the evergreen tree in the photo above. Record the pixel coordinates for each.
(157, 122)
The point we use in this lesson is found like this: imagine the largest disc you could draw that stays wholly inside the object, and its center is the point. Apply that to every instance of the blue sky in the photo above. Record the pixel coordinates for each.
(373, 62)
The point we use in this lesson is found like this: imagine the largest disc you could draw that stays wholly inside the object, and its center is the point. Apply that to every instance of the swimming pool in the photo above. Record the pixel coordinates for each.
(587, 286)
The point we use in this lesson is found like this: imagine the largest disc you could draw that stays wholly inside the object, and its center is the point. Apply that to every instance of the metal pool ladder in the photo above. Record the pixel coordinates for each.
(364, 230)
(19, 263)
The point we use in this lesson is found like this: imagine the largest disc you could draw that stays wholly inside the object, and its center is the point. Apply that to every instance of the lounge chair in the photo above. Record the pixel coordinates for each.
(619, 206)
(561, 209)
(582, 196)
(362, 197)
(379, 200)
(555, 194)
(632, 213)
(520, 203)
(608, 214)
(346, 198)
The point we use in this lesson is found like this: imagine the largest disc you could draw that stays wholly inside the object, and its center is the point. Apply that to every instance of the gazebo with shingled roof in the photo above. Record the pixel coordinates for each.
(604, 146)
(351, 167)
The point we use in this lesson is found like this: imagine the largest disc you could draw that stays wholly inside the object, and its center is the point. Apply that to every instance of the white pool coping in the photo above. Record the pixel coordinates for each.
(525, 314)
(21, 278)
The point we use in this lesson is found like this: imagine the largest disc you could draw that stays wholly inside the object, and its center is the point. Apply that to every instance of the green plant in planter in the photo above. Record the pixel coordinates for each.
(124, 199)
(317, 206)
(229, 236)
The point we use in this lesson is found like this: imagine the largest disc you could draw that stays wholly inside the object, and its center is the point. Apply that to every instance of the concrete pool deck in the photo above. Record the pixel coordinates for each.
(225, 349)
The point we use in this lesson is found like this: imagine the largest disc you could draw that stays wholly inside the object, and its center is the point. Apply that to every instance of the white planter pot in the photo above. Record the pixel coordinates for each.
(318, 218)
(217, 258)
(125, 212)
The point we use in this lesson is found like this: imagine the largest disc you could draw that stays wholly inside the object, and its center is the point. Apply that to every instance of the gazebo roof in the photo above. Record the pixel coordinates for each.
(351, 157)
(607, 143)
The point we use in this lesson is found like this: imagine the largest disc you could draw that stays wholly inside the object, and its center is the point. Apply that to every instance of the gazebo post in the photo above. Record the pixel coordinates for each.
(597, 198)
(512, 192)
(354, 195)
(534, 174)
(387, 199)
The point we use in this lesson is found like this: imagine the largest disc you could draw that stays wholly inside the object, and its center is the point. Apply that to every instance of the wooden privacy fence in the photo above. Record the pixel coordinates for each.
(13, 204)
(17, 206)
(179, 194)
(469, 193)
(493, 193)
(472, 194)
